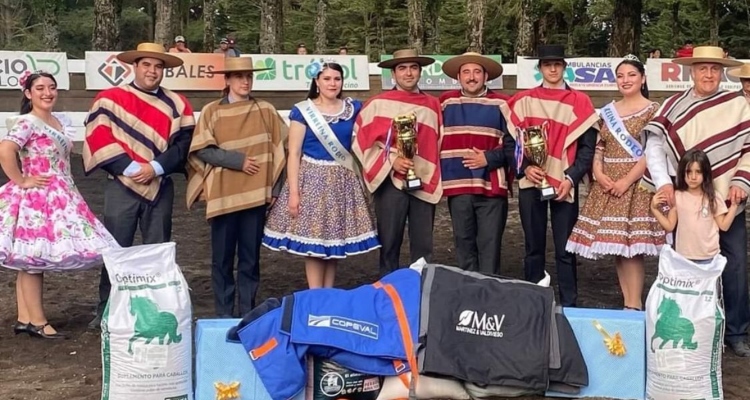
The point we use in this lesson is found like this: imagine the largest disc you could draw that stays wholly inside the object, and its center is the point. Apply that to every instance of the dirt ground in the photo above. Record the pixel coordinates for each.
(40, 370)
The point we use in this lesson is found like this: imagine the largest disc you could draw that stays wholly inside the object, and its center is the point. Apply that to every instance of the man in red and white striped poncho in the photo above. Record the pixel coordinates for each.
(384, 170)
(717, 122)
(572, 126)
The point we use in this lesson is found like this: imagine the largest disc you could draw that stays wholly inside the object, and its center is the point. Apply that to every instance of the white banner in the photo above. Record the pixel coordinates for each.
(581, 73)
(286, 73)
(663, 74)
(14, 63)
(104, 70)
(292, 72)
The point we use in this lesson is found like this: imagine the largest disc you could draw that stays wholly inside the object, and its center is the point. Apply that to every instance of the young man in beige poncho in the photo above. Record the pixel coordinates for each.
(235, 164)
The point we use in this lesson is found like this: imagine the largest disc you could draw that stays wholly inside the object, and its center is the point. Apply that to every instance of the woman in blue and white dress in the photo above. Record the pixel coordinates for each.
(323, 212)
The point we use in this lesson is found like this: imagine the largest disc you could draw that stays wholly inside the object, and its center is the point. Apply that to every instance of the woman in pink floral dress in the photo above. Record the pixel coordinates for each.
(45, 225)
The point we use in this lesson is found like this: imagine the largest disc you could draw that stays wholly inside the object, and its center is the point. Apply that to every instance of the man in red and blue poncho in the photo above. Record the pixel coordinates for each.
(475, 158)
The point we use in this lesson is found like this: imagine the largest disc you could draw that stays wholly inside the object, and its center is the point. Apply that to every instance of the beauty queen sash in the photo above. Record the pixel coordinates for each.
(617, 127)
(325, 135)
(61, 141)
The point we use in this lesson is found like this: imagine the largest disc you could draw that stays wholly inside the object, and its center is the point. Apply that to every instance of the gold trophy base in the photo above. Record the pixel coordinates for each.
(412, 182)
(547, 191)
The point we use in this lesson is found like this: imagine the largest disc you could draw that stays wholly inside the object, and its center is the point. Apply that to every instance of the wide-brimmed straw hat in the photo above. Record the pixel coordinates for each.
(406, 56)
(707, 54)
(742, 72)
(150, 50)
(491, 67)
(239, 64)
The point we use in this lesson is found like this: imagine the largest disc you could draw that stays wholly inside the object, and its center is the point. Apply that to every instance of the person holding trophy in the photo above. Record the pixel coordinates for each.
(555, 129)
(475, 154)
(397, 136)
(323, 212)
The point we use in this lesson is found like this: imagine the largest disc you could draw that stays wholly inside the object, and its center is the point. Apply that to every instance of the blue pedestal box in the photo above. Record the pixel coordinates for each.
(609, 375)
(217, 360)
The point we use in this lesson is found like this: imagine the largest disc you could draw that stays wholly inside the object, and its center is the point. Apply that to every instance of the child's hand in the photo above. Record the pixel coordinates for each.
(658, 200)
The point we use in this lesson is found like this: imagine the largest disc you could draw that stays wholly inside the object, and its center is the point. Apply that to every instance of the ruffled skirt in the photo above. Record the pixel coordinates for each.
(50, 228)
(335, 219)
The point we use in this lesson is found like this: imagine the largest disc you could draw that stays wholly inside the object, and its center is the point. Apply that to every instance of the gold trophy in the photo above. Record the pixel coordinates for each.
(405, 127)
(534, 139)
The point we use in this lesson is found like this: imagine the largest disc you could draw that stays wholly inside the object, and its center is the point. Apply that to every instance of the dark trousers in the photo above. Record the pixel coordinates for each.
(240, 233)
(124, 213)
(564, 215)
(478, 226)
(733, 245)
(393, 207)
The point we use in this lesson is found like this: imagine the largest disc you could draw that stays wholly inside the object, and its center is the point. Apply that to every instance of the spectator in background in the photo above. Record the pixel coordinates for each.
(686, 50)
(232, 45)
(343, 50)
(301, 49)
(655, 53)
(224, 48)
(179, 45)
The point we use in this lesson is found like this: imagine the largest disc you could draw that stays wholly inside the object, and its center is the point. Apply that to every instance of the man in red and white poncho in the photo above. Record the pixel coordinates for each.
(718, 122)
(384, 171)
(572, 126)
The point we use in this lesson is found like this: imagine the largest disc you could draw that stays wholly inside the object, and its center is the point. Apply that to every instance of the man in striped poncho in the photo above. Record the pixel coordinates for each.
(572, 126)
(384, 169)
(718, 122)
(474, 158)
(139, 134)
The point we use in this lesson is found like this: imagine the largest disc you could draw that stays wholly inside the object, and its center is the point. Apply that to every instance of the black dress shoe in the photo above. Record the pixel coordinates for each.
(20, 327)
(740, 348)
(38, 332)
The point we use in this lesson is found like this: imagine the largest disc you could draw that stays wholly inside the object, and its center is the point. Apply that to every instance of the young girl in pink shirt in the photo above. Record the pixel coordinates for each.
(700, 210)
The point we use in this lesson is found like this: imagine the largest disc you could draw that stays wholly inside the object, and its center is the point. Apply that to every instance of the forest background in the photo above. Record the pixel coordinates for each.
(588, 28)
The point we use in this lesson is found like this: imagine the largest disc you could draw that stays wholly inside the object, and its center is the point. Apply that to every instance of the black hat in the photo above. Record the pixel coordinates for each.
(550, 52)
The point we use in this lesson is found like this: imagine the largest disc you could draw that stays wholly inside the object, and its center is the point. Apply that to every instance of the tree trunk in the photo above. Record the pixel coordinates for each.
(151, 19)
(106, 35)
(626, 28)
(416, 25)
(433, 26)
(525, 40)
(50, 28)
(541, 27)
(676, 24)
(209, 25)
(164, 26)
(367, 20)
(7, 22)
(713, 16)
(271, 26)
(319, 30)
(476, 11)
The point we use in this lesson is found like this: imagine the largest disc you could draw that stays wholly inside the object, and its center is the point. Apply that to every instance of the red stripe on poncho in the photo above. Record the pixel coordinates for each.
(569, 114)
(371, 135)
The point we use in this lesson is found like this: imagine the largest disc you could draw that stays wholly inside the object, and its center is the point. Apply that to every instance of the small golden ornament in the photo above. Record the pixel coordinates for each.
(227, 392)
(614, 344)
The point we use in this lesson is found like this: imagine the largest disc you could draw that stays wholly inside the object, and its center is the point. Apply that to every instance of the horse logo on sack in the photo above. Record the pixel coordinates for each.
(150, 323)
(672, 326)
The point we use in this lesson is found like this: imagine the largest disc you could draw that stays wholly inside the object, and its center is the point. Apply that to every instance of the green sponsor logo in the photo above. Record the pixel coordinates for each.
(282, 68)
(266, 75)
